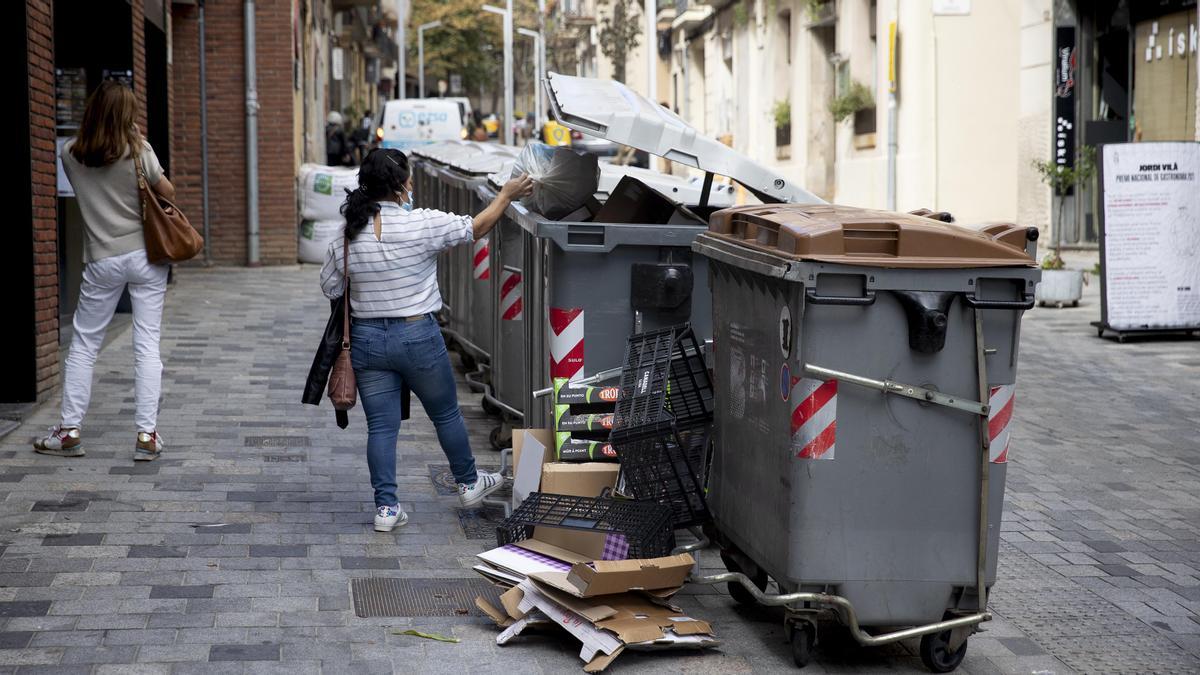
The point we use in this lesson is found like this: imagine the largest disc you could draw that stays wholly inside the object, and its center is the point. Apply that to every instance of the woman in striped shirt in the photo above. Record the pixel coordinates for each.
(394, 339)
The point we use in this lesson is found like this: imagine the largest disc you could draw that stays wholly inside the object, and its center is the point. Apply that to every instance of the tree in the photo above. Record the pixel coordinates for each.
(467, 42)
(619, 33)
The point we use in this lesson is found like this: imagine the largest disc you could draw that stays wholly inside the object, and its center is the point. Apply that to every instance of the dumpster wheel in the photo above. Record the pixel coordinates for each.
(937, 654)
(802, 637)
(500, 437)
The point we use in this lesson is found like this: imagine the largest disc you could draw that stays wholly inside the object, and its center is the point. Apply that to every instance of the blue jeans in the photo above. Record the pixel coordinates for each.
(386, 354)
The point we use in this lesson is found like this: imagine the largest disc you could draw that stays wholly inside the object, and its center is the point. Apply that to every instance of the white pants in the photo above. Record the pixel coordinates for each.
(103, 282)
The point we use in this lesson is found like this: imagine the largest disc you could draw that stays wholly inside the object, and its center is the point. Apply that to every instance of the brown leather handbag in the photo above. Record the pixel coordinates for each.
(169, 236)
(343, 388)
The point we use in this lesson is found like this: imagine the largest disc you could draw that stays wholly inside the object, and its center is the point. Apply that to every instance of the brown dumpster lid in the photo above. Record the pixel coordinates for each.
(856, 236)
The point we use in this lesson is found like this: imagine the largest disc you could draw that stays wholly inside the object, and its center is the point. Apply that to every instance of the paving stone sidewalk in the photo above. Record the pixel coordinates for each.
(236, 551)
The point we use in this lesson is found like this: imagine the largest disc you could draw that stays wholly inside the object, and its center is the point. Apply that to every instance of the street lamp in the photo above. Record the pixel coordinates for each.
(421, 54)
(506, 14)
(537, 69)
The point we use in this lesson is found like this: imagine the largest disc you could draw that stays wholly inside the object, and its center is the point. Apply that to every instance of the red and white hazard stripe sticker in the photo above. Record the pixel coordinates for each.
(510, 296)
(566, 342)
(1000, 410)
(481, 266)
(814, 418)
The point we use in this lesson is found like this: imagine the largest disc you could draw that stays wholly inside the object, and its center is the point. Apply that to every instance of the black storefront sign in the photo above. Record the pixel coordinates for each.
(1065, 68)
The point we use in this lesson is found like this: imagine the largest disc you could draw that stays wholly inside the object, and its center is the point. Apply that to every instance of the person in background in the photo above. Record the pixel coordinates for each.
(102, 162)
(337, 146)
(394, 339)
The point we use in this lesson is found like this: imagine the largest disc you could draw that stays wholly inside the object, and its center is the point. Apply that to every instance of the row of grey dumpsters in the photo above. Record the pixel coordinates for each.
(863, 362)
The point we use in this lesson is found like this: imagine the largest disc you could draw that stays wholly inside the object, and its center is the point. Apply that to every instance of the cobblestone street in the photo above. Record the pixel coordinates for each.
(235, 552)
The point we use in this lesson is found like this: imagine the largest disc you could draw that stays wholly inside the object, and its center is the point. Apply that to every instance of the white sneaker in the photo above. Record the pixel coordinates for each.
(486, 484)
(389, 517)
(61, 443)
(149, 446)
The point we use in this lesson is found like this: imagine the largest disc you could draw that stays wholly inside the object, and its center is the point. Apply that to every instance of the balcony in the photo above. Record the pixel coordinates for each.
(689, 14)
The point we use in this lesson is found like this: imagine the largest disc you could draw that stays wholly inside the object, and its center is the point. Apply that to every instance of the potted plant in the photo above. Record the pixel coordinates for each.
(856, 97)
(1061, 286)
(782, 112)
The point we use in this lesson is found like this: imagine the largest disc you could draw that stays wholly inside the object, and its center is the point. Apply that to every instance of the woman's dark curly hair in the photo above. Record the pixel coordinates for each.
(383, 174)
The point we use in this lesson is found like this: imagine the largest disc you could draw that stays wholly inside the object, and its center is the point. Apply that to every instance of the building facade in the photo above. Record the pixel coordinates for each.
(66, 48)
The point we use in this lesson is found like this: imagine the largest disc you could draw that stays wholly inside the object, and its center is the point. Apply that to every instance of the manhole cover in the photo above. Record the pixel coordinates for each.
(481, 522)
(443, 482)
(381, 596)
(277, 441)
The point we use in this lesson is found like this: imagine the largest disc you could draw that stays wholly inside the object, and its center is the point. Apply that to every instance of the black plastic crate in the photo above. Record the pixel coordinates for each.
(668, 469)
(664, 385)
(646, 526)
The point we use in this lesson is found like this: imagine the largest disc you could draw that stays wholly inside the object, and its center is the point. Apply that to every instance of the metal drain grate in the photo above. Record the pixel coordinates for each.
(381, 597)
(278, 441)
(481, 522)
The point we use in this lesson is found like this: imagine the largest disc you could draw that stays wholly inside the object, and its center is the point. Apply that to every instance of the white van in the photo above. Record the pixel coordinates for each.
(410, 122)
(464, 106)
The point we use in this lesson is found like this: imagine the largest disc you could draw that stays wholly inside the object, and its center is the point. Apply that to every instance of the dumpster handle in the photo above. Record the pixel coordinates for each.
(844, 609)
(1026, 303)
(899, 388)
(811, 296)
(602, 375)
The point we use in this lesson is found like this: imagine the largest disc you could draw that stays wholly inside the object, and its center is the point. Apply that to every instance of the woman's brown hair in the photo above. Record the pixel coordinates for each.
(109, 131)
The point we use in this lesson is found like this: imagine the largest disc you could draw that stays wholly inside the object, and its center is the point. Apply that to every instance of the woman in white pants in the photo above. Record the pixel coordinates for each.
(100, 163)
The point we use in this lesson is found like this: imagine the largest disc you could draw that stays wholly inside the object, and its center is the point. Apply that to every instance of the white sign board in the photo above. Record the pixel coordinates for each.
(1151, 239)
(337, 57)
(951, 7)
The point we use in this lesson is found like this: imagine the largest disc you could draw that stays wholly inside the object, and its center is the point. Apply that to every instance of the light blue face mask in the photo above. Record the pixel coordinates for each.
(407, 206)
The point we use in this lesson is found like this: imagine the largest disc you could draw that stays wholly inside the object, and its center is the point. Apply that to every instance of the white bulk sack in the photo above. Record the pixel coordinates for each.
(323, 189)
(315, 236)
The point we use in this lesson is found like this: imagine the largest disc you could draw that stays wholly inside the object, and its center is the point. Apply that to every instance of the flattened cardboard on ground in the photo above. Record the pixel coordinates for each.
(580, 479)
(511, 599)
(503, 620)
(595, 641)
(632, 618)
(606, 577)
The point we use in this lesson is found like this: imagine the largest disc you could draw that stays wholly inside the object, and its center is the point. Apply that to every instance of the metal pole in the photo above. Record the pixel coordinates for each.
(508, 73)
(251, 140)
(650, 9)
(538, 73)
(541, 57)
(421, 54)
(204, 142)
(893, 143)
(507, 121)
(401, 75)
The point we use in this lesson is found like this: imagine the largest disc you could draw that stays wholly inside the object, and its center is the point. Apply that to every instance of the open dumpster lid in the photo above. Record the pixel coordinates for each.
(609, 109)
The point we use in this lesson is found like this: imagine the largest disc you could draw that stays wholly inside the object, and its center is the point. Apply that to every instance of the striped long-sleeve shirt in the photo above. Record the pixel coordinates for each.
(395, 276)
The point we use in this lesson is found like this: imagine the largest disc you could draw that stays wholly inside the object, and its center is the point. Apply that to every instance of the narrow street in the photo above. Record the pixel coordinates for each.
(236, 551)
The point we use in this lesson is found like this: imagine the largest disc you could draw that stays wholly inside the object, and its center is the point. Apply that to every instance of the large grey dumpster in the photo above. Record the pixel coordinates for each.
(470, 325)
(864, 369)
(589, 283)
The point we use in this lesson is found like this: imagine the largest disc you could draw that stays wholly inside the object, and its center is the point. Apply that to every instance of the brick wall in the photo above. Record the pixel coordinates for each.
(227, 127)
(40, 36)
